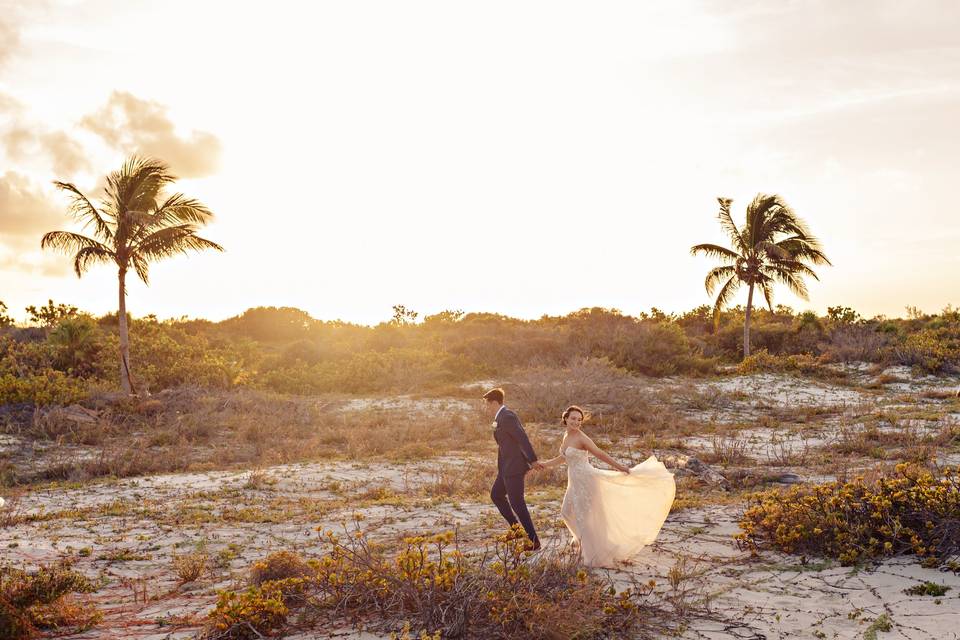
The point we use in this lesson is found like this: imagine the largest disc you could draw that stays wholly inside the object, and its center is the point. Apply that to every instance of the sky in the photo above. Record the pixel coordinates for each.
(524, 158)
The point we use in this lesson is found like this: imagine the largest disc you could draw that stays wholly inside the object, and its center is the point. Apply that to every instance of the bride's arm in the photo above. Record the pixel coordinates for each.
(553, 462)
(598, 452)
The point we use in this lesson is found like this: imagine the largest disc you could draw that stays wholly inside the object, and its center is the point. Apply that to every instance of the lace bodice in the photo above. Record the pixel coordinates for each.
(578, 500)
(576, 457)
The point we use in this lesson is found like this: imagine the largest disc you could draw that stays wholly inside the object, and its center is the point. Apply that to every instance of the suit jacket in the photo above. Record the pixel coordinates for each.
(514, 452)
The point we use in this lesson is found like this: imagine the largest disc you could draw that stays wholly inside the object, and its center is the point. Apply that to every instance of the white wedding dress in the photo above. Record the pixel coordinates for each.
(611, 514)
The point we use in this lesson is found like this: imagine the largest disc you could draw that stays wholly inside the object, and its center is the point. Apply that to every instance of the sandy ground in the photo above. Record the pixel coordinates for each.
(133, 528)
(126, 532)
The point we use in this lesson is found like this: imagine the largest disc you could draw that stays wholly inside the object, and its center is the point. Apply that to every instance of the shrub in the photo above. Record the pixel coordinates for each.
(77, 343)
(931, 350)
(911, 511)
(33, 601)
(854, 342)
(604, 390)
(249, 615)
(761, 362)
(47, 387)
(191, 566)
(165, 356)
(366, 371)
(279, 566)
(927, 588)
(499, 593)
(651, 348)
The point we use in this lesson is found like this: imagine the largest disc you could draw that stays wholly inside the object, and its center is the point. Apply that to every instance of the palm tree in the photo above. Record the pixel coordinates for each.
(135, 225)
(774, 245)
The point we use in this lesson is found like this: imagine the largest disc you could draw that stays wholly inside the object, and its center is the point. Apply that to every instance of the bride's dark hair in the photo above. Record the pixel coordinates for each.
(571, 409)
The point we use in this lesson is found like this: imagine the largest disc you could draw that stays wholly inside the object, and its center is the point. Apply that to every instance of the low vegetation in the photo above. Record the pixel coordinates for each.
(437, 589)
(72, 354)
(911, 510)
(38, 600)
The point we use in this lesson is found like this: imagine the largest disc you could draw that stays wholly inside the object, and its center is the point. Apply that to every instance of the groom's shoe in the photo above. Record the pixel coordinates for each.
(532, 546)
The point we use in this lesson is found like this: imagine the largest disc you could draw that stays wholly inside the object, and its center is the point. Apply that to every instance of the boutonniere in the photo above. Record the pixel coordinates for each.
(494, 424)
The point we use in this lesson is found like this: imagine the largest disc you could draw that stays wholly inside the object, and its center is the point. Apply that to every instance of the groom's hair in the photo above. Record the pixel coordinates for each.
(494, 395)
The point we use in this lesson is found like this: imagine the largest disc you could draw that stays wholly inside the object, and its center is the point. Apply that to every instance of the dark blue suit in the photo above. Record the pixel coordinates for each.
(514, 456)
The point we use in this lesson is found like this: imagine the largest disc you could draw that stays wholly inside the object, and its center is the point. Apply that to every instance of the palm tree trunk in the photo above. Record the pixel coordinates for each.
(126, 383)
(746, 324)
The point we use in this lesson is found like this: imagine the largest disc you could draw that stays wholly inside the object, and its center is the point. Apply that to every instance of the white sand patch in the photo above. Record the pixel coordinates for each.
(432, 406)
(10, 443)
(299, 479)
(785, 390)
(781, 598)
(771, 446)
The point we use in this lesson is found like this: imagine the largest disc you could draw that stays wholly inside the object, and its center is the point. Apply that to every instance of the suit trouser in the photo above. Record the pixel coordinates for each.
(507, 494)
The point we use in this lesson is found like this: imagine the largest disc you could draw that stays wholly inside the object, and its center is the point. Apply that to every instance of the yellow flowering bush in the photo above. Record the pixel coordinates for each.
(254, 613)
(428, 584)
(913, 510)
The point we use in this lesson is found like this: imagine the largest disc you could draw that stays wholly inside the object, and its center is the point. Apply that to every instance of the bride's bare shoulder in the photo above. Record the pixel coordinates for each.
(575, 441)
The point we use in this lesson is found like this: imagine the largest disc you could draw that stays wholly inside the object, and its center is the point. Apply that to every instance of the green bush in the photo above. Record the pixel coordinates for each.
(77, 342)
(47, 387)
(932, 350)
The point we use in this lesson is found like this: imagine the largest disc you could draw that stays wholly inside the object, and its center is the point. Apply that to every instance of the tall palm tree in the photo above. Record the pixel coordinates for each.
(135, 225)
(774, 245)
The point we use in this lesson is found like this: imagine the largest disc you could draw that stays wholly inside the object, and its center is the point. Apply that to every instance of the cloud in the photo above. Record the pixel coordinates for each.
(67, 156)
(46, 264)
(26, 212)
(133, 125)
(25, 141)
(9, 37)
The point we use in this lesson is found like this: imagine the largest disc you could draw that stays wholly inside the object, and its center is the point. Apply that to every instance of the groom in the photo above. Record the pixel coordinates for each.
(515, 456)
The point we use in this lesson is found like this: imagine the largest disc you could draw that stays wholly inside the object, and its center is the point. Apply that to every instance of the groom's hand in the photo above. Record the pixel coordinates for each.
(538, 466)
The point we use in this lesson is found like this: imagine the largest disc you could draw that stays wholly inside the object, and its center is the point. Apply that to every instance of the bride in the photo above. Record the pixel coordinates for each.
(611, 514)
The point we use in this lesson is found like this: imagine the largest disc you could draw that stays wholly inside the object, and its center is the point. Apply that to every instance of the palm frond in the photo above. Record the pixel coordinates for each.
(68, 242)
(135, 188)
(788, 222)
(795, 266)
(715, 251)
(82, 209)
(142, 267)
(89, 256)
(727, 291)
(178, 209)
(767, 287)
(757, 213)
(793, 281)
(172, 240)
(772, 250)
(717, 274)
(804, 248)
(138, 225)
(196, 243)
(138, 183)
(726, 221)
